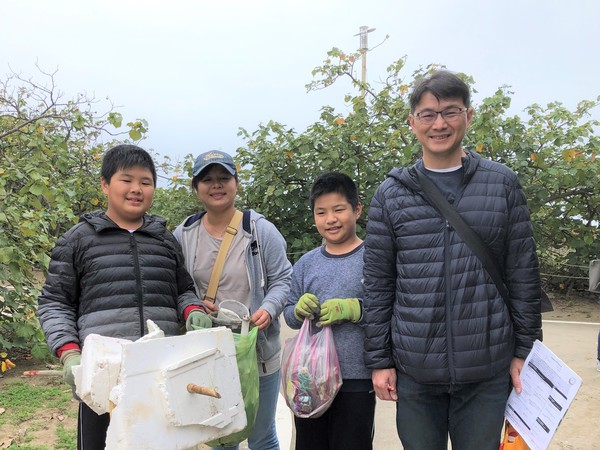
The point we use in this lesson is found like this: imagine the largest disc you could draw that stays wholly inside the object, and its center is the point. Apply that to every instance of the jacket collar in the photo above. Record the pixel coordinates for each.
(153, 225)
(408, 175)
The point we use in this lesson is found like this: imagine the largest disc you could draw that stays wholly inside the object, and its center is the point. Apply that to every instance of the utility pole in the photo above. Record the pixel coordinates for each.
(364, 47)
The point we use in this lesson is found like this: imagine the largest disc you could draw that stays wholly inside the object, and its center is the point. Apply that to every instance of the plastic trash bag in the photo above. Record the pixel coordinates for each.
(310, 371)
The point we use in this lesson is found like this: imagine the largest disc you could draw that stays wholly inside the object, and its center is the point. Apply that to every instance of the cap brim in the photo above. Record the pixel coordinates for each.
(206, 166)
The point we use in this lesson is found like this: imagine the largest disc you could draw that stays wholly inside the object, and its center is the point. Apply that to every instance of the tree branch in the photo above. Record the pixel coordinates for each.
(571, 193)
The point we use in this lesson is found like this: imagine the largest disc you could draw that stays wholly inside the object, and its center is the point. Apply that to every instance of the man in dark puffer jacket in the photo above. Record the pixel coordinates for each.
(113, 271)
(439, 336)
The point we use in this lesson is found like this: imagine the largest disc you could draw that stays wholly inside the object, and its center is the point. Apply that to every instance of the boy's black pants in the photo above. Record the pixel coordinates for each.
(91, 429)
(346, 425)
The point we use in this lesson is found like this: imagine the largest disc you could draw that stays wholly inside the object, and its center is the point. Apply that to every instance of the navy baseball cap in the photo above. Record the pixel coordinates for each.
(214, 157)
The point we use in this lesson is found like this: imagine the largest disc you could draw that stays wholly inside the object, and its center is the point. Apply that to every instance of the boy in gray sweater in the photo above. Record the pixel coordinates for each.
(327, 285)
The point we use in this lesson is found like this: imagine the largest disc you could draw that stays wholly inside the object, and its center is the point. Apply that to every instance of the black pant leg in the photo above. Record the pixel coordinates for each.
(311, 434)
(346, 425)
(91, 429)
(351, 424)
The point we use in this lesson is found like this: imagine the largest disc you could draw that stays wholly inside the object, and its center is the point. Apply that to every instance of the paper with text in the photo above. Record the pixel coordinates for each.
(549, 387)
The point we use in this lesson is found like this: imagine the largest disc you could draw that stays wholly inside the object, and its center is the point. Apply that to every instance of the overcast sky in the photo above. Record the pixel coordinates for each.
(198, 70)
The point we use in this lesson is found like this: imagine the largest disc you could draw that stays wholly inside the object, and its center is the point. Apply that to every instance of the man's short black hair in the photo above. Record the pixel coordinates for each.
(442, 85)
(125, 156)
(334, 182)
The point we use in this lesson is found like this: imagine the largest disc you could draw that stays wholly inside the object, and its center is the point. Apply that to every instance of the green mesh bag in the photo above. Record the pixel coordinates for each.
(245, 354)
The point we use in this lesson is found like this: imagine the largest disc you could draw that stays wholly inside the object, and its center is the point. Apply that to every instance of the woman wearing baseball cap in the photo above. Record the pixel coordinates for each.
(256, 273)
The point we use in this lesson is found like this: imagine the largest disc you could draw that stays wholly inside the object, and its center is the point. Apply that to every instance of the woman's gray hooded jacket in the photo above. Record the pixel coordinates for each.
(269, 271)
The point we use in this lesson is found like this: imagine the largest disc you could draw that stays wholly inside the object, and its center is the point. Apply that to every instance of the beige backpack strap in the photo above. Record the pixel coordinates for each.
(215, 275)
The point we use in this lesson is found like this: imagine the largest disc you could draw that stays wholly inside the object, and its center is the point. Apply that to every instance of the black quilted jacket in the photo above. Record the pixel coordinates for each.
(431, 310)
(103, 279)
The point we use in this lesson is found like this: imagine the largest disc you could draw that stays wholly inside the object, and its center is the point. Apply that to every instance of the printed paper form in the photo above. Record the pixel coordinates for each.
(549, 387)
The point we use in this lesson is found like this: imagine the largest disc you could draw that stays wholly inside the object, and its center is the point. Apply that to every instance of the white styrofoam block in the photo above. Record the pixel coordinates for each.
(99, 371)
(154, 332)
(153, 409)
(210, 368)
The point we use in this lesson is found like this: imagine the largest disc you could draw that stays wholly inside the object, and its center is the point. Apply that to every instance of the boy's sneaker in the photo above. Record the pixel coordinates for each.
(598, 365)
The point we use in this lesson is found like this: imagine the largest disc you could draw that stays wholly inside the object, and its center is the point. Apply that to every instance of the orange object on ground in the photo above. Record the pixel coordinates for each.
(512, 440)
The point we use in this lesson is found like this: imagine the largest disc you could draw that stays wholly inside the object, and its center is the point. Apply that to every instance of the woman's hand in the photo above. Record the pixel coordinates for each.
(261, 318)
(210, 306)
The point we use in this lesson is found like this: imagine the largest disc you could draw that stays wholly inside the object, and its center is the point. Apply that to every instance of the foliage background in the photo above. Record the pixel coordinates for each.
(553, 151)
(51, 149)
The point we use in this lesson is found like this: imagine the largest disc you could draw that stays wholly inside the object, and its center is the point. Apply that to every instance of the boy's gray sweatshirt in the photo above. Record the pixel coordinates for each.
(333, 276)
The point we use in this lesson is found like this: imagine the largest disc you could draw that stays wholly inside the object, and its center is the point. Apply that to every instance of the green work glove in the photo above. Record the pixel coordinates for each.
(336, 310)
(307, 306)
(197, 320)
(68, 359)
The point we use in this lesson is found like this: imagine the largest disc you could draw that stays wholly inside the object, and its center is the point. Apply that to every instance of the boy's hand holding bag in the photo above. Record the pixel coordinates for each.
(338, 310)
(308, 306)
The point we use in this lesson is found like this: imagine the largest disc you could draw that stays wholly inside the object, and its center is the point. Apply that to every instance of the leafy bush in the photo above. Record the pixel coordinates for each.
(51, 151)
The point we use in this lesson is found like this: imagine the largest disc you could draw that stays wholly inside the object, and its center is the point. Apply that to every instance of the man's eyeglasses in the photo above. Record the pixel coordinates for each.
(449, 115)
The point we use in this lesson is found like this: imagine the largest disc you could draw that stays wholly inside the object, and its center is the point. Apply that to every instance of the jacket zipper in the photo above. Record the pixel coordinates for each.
(138, 281)
(254, 235)
(448, 293)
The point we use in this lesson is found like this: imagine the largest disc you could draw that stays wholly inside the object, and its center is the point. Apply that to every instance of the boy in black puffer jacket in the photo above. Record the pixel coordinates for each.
(113, 271)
